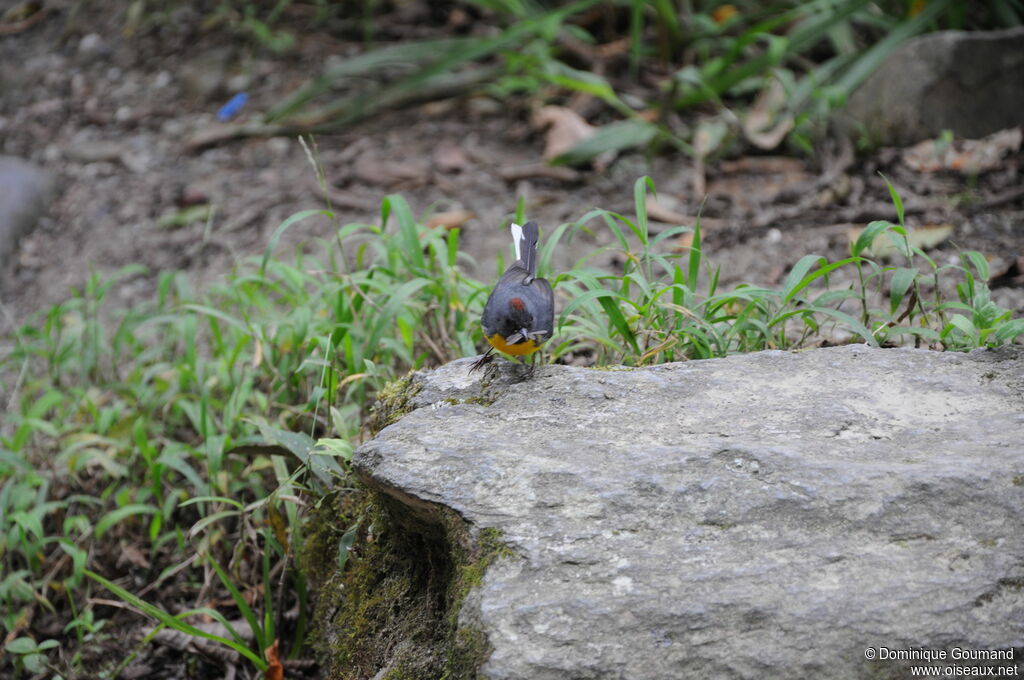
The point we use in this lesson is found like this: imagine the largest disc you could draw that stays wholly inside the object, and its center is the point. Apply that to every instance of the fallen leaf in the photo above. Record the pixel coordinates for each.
(275, 670)
(723, 13)
(450, 157)
(708, 138)
(967, 156)
(22, 17)
(565, 129)
(279, 525)
(191, 195)
(450, 219)
(683, 243)
(132, 555)
(998, 267)
(603, 146)
(767, 165)
(768, 122)
(662, 210)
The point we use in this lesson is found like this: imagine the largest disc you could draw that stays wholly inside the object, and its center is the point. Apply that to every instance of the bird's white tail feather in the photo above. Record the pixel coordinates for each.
(517, 237)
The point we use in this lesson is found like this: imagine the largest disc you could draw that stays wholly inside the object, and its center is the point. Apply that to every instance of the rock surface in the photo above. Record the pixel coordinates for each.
(767, 515)
(25, 193)
(967, 82)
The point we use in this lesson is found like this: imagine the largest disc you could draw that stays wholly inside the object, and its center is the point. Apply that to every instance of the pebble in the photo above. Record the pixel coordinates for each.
(52, 154)
(484, 106)
(90, 44)
(279, 145)
(173, 127)
(239, 83)
(94, 152)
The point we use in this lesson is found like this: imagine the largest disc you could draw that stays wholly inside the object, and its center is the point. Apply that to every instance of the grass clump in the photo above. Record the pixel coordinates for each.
(191, 426)
(666, 303)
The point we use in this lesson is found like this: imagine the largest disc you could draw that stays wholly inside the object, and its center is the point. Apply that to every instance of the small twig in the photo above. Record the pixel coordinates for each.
(1008, 196)
(25, 24)
(544, 170)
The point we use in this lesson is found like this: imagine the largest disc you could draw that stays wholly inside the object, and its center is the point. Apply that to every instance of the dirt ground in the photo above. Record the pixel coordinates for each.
(111, 118)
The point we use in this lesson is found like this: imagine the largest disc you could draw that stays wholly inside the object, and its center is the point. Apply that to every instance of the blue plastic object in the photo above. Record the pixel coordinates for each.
(232, 107)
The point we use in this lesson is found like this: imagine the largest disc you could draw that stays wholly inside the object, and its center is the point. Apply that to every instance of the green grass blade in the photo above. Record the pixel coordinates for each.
(115, 516)
(902, 279)
(172, 621)
(243, 607)
(284, 226)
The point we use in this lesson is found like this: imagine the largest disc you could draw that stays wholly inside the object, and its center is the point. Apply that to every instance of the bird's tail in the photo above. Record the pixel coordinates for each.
(525, 239)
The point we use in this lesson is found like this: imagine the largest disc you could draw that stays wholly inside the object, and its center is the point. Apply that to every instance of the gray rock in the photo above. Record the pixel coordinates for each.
(967, 82)
(772, 515)
(25, 194)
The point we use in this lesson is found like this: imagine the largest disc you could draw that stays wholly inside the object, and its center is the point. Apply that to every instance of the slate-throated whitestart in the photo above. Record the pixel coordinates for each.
(520, 313)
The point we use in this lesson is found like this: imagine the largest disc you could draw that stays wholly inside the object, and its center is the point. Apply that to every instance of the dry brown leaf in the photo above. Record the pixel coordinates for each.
(279, 524)
(133, 556)
(684, 242)
(767, 165)
(565, 129)
(22, 17)
(768, 122)
(663, 210)
(450, 157)
(708, 138)
(967, 156)
(450, 219)
(999, 267)
(723, 13)
(275, 671)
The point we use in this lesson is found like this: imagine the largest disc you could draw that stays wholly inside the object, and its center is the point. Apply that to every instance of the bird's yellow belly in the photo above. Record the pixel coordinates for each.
(518, 349)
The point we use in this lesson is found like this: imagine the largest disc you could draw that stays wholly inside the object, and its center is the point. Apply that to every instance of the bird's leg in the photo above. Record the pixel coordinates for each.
(484, 359)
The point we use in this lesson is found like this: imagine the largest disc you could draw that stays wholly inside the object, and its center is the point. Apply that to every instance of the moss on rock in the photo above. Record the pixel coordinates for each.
(395, 606)
(393, 402)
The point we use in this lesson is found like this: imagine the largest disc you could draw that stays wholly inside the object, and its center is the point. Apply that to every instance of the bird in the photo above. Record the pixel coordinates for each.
(520, 312)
